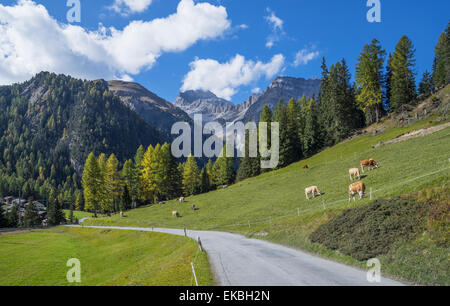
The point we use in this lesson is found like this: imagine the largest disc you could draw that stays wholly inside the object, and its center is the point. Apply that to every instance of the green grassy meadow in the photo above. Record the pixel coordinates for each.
(275, 205)
(108, 257)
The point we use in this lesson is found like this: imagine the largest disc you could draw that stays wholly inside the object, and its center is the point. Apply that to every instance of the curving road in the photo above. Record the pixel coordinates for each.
(239, 261)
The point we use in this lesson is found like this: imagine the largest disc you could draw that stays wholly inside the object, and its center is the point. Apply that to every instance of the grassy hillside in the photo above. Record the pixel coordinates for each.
(275, 205)
(107, 258)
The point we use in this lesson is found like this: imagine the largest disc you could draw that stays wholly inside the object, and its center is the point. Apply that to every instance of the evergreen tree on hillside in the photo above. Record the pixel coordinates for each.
(369, 79)
(387, 83)
(287, 145)
(191, 177)
(403, 86)
(223, 170)
(441, 66)
(91, 181)
(205, 181)
(31, 217)
(103, 196)
(209, 169)
(266, 116)
(311, 133)
(130, 178)
(125, 201)
(13, 217)
(79, 203)
(113, 184)
(55, 215)
(426, 85)
(150, 175)
(249, 166)
(293, 130)
(338, 111)
(138, 158)
(171, 178)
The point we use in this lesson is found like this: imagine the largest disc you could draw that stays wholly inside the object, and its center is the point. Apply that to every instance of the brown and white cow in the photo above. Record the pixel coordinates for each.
(305, 167)
(358, 188)
(354, 173)
(175, 214)
(181, 200)
(368, 163)
(314, 190)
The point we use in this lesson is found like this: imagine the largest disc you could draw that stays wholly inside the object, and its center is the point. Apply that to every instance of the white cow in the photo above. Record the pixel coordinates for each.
(314, 190)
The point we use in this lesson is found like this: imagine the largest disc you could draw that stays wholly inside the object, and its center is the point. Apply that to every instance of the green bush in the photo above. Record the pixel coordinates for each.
(371, 230)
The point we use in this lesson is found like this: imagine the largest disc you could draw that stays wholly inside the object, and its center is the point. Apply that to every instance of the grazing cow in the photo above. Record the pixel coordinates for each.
(356, 188)
(181, 200)
(175, 214)
(354, 173)
(305, 167)
(314, 190)
(193, 207)
(368, 163)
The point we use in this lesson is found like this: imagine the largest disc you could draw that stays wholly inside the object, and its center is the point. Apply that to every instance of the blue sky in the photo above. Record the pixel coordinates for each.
(329, 28)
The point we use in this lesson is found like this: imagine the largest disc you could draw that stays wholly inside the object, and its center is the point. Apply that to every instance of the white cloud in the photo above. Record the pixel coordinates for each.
(304, 56)
(223, 79)
(126, 7)
(277, 28)
(256, 90)
(32, 41)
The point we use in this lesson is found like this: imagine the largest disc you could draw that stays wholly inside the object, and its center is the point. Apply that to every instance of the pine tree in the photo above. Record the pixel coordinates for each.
(103, 195)
(125, 201)
(191, 177)
(130, 179)
(209, 169)
(150, 174)
(223, 170)
(205, 181)
(441, 67)
(387, 83)
(79, 204)
(369, 79)
(13, 217)
(286, 144)
(293, 130)
(403, 87)
(171, 178)
(31, 217)
(339, 113)
(91, 184)
(249, 166)
(55, 215)
(138, 165)
(426, 85)
(113, 185)
(311, 134)
(267, 117)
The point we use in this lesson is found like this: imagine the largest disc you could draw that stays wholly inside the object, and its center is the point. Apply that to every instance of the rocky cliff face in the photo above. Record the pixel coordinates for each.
(156, 111)
(216, 109)
(284, 88)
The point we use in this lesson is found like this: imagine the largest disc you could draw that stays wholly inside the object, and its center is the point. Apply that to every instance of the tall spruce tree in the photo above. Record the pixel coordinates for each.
(171, 178)
(223, 170)
(441, 66)
(403, 86)
(91, 183)
(426, 85)
(267, 117)
(150, 175)
(55, 215)
(249, 166)
(130, 176)
(31, 217)
(113, 184)
(339, 112)
(369, 81)
(387, 83)
(191, 177)
(125, 201)
(311, 133)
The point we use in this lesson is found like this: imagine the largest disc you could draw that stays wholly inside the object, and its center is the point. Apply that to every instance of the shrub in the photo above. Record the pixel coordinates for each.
(369, 231)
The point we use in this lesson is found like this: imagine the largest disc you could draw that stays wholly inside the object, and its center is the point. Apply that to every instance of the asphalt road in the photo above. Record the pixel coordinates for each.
(239, 261)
